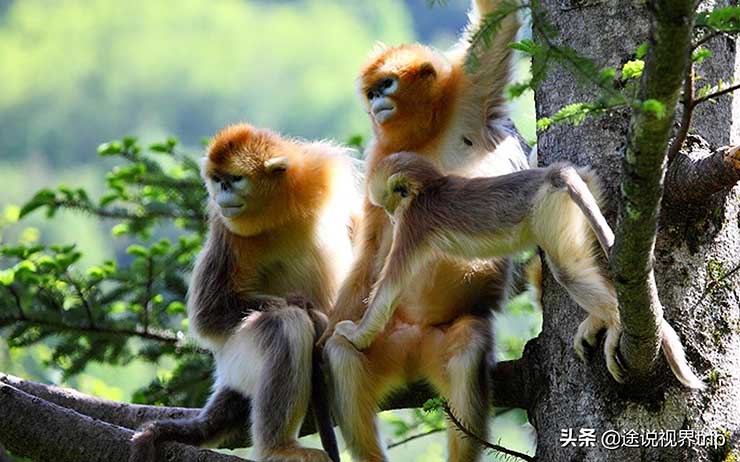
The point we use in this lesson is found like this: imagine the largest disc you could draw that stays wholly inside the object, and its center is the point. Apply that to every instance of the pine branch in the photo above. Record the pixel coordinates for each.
(159, 336)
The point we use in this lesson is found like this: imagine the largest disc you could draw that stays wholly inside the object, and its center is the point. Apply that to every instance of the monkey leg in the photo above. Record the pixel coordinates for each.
(583, 279)
(284, 340)
(226, 412)
(461, 374)
(359, 379)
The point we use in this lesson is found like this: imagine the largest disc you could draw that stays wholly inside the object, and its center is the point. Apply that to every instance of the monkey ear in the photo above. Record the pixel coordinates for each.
(427, 70)
(277, 164)
(396, 181)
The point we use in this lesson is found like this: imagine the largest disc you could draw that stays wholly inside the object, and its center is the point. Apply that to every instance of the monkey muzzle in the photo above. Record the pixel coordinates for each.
(382, 109)
(230, 204)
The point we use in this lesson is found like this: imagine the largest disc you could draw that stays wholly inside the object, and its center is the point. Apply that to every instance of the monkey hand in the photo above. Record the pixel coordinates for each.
(350, 331)
(328, 332)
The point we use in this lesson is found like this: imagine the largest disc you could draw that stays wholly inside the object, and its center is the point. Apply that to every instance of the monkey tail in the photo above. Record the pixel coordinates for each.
(320, 395)
(674, 354)
(583, 197)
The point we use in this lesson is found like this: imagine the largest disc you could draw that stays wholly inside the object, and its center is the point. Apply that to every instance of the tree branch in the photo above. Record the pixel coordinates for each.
(699, 172)
(642, 185)
(33, 427)
(159, 335)
(512, 383)
(717, 94)
(483, 443)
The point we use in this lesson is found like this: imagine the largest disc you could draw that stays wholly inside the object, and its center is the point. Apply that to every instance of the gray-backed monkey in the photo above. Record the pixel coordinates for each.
(424, 100)
(277, 250)
(553, 208)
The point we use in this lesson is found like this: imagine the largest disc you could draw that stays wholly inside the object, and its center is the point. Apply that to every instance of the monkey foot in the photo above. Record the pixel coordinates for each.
(296, 454)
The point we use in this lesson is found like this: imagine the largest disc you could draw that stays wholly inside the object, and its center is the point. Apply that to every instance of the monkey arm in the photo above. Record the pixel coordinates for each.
(355, 290)
(488, 61)
(407, 255)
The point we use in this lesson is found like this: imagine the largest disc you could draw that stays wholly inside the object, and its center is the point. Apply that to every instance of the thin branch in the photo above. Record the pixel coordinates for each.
(717, 94)
(415, 437)
(148, 291)
(159, 336)
(712, 285)
(493, 447)
(705, 38)
(17, 298)
(688, 110)
(123, 214)
(83, 299)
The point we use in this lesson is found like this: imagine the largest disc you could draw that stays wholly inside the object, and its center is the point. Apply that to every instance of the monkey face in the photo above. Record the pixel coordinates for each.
(246, 193)
(398, 85)
(380, 100)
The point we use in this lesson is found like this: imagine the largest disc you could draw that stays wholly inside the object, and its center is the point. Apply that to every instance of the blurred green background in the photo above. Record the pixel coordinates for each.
(74, 74)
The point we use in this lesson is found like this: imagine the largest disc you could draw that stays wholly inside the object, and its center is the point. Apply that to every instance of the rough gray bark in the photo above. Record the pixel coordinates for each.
(36, 422)
(690, 240)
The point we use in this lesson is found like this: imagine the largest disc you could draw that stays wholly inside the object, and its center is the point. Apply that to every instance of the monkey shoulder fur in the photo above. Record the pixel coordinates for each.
(555, 208)
(277, 250)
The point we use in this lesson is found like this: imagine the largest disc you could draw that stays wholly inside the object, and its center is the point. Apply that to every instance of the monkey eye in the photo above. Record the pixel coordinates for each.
(237, 178)
(467, 141)
(386, 82)
(216, 178)
(370, 94)
(401, 191)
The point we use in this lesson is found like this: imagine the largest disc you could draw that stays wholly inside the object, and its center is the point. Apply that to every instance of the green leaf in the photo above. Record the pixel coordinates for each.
(160, 147)
(137, 250)
(641, 51)
(632, 69)
(654, 106)
(516, 90)
(526, 46)
(176, 307)
(120, 229)
(700, 54)
(45, 197)
(110, 149)
(7, 277)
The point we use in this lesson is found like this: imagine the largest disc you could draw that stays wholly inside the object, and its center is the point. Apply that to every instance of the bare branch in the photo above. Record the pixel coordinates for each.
(688, 110)
(717, 94)
(132, 416)
(699, 172)
(33, 427)
(415, 437)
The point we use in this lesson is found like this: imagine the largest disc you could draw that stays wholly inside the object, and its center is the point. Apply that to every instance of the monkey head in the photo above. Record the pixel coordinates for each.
(257, 180)
(398, 179)
(406, 91)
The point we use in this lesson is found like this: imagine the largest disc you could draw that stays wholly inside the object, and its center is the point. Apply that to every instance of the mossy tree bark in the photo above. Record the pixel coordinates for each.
(696, 243)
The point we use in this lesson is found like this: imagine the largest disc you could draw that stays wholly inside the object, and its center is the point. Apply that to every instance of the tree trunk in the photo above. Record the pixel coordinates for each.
(695, 244)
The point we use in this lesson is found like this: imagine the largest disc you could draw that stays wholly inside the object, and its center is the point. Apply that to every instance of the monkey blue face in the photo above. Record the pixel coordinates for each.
(380, 103)
(230, 193)
(244, 193)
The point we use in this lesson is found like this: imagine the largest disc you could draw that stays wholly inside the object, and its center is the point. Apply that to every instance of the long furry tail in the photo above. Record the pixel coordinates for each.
(320, 395)
(674, 354)
(583, 197)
